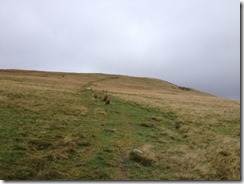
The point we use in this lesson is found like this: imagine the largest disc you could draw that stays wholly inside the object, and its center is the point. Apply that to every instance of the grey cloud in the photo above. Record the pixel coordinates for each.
(187, 42)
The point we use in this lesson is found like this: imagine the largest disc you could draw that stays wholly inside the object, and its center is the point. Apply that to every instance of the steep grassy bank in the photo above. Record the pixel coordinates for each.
(56, 126)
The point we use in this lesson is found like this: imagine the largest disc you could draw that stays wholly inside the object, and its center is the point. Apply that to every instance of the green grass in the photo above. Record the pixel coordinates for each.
(53, 134)
(37, 143)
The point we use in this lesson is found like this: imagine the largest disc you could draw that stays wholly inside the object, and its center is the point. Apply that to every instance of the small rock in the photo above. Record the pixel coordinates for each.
(107, 101)
(105, 98)
(137, 151)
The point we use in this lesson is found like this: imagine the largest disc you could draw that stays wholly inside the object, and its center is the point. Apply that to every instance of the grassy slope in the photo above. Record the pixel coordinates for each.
(52, 127)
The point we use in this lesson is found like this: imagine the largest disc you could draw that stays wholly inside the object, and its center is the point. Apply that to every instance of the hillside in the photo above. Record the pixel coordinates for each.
(55, 126)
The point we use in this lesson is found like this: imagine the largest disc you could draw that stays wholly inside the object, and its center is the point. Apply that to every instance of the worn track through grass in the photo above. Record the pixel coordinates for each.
(124, 151)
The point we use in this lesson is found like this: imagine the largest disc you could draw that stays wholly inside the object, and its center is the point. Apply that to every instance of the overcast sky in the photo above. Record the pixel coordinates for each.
(193, 43)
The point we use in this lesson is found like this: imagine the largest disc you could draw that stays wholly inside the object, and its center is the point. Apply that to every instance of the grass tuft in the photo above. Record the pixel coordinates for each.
(141, 159)
(146, 124)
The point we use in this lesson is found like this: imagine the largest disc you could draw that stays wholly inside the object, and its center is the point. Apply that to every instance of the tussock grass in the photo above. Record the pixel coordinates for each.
(147, 124)
(146, 158)
(141, 159)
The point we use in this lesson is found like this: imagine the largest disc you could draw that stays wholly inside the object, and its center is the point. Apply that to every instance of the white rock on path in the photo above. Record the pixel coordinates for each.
(137, 151)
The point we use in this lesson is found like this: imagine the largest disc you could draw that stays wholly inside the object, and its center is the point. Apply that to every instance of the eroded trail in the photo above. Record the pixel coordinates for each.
(91, 83)
(125, 148)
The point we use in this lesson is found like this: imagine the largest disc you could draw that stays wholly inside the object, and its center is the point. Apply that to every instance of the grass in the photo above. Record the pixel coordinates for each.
(55, 126)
